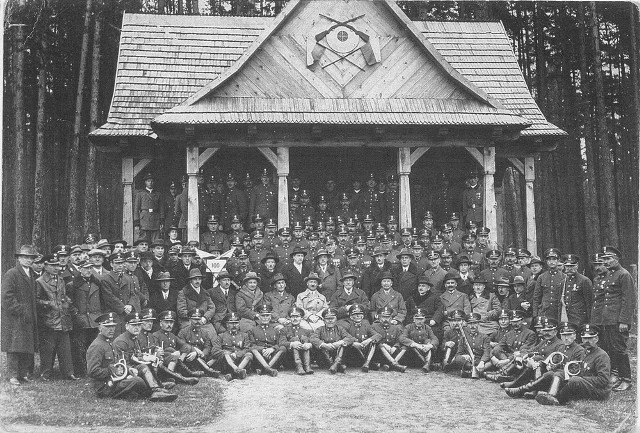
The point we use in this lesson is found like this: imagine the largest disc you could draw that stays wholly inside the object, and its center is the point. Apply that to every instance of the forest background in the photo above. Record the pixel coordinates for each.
(579, 59)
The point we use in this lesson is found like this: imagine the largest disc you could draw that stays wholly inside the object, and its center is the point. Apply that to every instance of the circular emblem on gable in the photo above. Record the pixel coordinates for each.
(343, 40)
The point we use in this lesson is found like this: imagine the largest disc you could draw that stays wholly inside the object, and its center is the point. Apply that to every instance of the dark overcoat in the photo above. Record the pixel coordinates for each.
(19, 318)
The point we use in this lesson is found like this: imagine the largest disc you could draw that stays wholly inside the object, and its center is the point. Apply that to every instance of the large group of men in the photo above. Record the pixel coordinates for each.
(333, 291)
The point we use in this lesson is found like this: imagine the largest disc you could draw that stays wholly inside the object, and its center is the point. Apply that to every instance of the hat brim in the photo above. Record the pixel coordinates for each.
(304, 253)
(195, 276)
(26, 255)
(165, 279)
(258, 279)
(312, 278)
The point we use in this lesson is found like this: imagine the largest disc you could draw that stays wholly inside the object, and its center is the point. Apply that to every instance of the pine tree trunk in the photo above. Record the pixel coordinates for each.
(39, 205)
(20, 163)
(609, 221)
(541, 74)
(90, 192)
(591, 207)
(74, 234)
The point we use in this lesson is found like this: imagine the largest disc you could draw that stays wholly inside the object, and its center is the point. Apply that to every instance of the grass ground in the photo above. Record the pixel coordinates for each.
(65, 403)
(73, 403)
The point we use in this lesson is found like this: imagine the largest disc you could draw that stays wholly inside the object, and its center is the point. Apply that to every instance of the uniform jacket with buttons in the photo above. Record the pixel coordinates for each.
(619, 297)
(291, 333)
(171, 343)
(578, 298)
(325, 334)
(361, 331)
(545, 347)
(547, 294)
(599, 294)
(389, 333)
(264, 337)
(430, 304)
(236, 342)
(517, 339)
(420, 335)
(479, 343)
(596, 370)
(148, 210)
(100, 355)
(196, 336)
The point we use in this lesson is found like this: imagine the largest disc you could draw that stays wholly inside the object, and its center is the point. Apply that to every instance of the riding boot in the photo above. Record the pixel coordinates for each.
(521, 390)
(177, 376)
(158, 393)
(211, 372)
(276, 358)
(296, 358)
(549, 398)
(188, 372)
(518, 380)
(306, 361)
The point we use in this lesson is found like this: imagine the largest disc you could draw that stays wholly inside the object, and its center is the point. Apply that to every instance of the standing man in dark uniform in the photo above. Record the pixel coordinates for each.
(235, 203)
(169, 205)
(356, 199)
(392, 196)
(473, 200)
(578, 292)
(148, 211)
(371, 200)
(119, 290)
(617, 316)
(19, 317)
(547, 295)
(264, 198)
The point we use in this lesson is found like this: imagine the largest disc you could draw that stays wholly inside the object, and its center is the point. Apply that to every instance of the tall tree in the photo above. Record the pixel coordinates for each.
(20, 185)
(607, 188)
(39, 205)
(73, 234)
(90, 194)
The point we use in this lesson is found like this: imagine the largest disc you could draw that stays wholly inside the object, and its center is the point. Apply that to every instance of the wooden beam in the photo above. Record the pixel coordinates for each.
(490, 205)
(404, 169)
(127, 205)
(530, 206)
(518, 165)
(416, 154)
(206, 155)
(282, 166)
(476, 154)
(140, 166)
(193, 208)
(270, 155)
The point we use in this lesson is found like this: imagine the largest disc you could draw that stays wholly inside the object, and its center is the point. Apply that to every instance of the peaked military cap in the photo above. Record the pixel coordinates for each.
(148, 314)
(107, 319)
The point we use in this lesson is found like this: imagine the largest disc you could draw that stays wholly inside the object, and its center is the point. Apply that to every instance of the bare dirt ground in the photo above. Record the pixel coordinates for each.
(373, 402)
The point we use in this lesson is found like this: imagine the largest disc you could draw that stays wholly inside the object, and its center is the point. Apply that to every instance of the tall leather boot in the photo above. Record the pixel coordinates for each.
(177, 376)
(519, 391)
(549, 398)
(306, 361)
(158, 393)
(521, 379)
(187, 371)
(333, 369)
(371, 351)
(211, 372)
(296, 358)
(341, 367)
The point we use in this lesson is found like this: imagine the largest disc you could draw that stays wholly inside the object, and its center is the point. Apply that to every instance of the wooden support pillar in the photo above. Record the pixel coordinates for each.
(529, 177)
(490, 205)
(404, 169)
(283, 188)
(193, 208)
(127, 197)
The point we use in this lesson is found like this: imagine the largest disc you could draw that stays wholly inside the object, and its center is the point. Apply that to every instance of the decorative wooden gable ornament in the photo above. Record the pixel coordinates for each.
(341, 48)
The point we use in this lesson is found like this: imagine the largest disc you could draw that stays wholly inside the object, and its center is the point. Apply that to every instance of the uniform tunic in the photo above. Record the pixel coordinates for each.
(361, 331)
(578, 298)
(421, 335)
(119, 291)
(619, 297)
(235, 342)
(148, 211)
(479, 343)
(291, 333)
(514, 340)
(389, 333)
(264, 201)
(195, 336)
(597, 307)
(593, 382)
(547, 294)
(264, 337)
(100, 355)
(172, 344)
(330, 335)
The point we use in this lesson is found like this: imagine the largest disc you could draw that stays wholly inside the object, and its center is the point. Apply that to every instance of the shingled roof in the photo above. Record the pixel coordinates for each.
(166, 59)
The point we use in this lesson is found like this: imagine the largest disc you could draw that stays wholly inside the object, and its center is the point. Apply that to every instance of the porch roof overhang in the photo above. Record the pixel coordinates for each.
(165, 60)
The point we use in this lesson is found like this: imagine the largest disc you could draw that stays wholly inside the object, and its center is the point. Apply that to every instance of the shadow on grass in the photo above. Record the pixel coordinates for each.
(73, 403)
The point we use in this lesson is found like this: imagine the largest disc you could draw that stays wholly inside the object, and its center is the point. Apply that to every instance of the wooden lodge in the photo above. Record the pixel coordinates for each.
(322, 76)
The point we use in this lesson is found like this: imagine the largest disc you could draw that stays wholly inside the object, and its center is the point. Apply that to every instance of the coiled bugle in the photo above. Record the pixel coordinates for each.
(474, 370)
(119, 371)
(572, 368)
(555, 360)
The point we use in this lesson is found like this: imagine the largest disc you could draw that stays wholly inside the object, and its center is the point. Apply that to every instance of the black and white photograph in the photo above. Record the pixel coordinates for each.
(320, 216)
